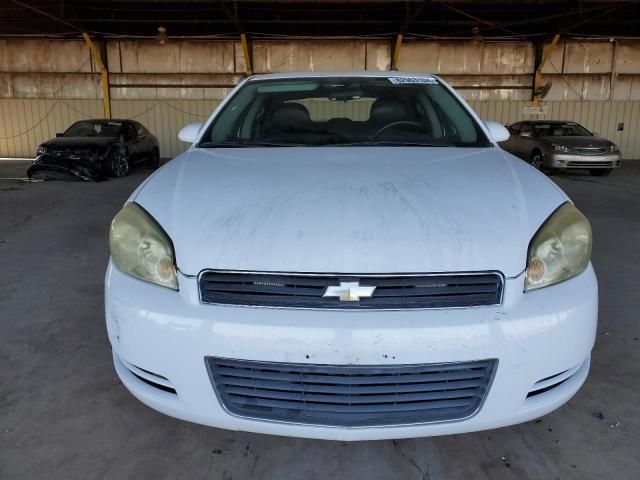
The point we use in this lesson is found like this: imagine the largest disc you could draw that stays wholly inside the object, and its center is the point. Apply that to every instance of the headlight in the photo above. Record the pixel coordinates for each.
(41, 150)
(560, 148)
(614, 148)
(140, 248)
(560, 250)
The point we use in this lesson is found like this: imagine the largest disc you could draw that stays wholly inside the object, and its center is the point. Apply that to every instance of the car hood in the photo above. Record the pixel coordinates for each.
(350, 209)
(64, 143)
(580, 142)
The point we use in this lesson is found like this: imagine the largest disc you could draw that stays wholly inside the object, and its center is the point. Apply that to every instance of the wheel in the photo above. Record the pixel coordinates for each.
(536, 160)
(601, 172)
(120, 165)
(154, 162)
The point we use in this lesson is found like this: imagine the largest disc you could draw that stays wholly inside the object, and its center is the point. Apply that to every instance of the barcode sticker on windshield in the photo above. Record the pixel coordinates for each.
(412, 80)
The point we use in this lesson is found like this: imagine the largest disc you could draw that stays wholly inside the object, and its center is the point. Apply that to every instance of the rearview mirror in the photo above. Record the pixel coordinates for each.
(189, 132)
(497, 131)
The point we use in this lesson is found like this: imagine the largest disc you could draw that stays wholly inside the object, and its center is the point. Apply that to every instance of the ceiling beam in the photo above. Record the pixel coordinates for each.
(416, 13)
(48, 15)
(454, 19)
(479, 20)
(233, 18)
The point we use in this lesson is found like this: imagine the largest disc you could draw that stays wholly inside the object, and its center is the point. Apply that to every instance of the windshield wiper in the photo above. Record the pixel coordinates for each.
(249, 144)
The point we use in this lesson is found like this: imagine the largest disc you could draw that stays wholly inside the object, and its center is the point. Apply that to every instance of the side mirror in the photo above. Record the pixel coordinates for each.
(497, 131)
(595, 134)
(59, 134)
(189, 132)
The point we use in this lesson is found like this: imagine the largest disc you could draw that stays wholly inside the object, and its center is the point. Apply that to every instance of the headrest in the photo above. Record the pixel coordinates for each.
(289, 115)
(388, 110)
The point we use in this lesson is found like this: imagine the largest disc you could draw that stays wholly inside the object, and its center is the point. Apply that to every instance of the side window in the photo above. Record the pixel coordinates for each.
(142, 132)
(515, 128)
(130, 131)
(526, 128)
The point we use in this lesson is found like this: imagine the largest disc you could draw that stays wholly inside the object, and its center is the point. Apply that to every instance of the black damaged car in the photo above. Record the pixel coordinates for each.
(94, 150)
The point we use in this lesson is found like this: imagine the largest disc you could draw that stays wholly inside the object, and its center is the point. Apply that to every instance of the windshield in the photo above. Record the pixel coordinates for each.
(94, 128)
(569, 129)
(344, 111)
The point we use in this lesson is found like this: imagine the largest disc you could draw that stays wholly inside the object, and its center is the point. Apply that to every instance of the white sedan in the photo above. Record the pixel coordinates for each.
(350, 256)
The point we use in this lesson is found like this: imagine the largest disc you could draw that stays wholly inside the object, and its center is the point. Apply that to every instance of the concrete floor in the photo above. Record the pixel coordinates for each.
(64, 414)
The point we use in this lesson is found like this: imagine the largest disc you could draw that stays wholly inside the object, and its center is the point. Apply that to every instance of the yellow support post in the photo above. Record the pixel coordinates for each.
(104, 76)
(396, 52)
(537, 82)
(248, 67)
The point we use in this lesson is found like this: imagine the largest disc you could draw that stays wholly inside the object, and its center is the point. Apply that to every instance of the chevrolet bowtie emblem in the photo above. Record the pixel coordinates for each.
(349, 291)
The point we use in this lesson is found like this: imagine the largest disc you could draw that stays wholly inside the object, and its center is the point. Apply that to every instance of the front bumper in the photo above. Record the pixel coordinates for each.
(572, 161)
(534, 336)
(51, 167)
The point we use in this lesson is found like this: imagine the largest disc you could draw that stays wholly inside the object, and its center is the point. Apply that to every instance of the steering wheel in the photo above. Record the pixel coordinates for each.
(397, 124)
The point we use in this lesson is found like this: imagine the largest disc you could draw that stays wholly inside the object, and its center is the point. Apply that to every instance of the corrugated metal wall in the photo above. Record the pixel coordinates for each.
(24, 123)
(165, 118)
(45, 85)
(599, 117)
(322, 110)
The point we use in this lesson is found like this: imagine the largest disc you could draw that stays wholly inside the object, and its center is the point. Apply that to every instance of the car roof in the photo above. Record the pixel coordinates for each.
(361, 74)
(553, 121)
(117, 120)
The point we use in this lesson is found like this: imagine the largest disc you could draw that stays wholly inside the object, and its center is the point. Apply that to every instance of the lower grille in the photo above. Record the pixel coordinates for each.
(351, 396)
(381, 291)
(590, 164)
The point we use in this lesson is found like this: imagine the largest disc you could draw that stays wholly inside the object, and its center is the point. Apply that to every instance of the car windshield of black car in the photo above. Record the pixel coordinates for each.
(94, 129)
(568, 129)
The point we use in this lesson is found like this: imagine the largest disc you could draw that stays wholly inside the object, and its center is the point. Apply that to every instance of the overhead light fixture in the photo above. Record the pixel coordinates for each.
(476, 37)
(162, 38)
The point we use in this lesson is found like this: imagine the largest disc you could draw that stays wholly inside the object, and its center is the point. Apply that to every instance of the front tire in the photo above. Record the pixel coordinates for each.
(154, 162)
(120, 165)
(601, 172)
(536, 160)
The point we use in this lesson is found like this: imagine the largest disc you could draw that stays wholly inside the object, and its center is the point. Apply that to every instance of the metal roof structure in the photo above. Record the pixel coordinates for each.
(423, 19)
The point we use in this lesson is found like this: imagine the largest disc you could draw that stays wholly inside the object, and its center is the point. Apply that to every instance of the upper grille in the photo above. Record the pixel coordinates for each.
(352, 396)
(591, 150)
(391, 292)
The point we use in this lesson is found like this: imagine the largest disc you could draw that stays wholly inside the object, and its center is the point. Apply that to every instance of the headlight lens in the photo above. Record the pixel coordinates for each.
(614, 148)
(560, 148)
(560, 250)
(41, 150)
(140, 248)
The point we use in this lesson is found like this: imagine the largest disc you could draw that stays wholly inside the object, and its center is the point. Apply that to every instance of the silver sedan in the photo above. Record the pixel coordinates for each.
(550, 145)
